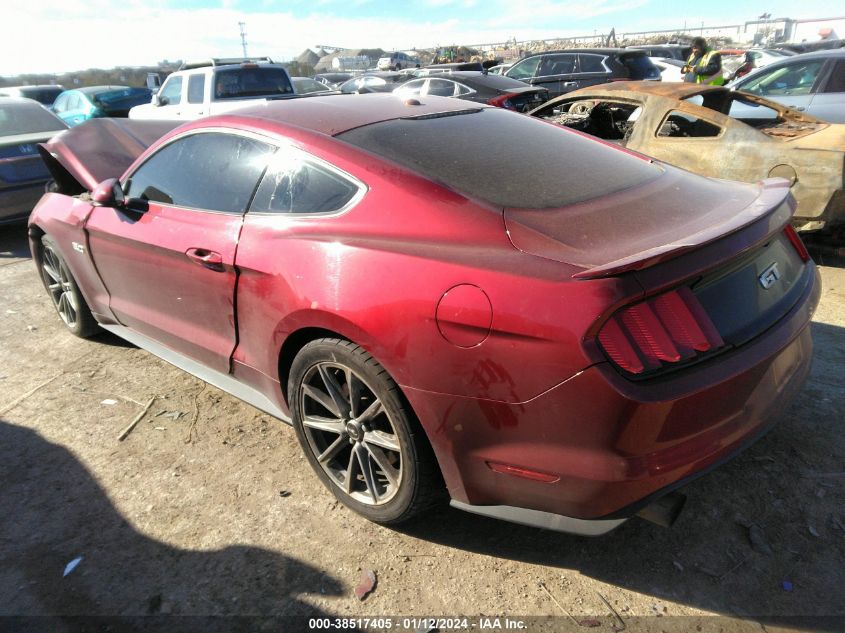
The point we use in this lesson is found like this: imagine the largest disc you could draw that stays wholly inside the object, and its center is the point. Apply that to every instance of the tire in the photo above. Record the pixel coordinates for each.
(368, 449)
(64, 292)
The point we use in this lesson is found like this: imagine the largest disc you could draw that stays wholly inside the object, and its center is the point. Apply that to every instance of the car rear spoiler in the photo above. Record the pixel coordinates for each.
(82, 157)
(767, 206)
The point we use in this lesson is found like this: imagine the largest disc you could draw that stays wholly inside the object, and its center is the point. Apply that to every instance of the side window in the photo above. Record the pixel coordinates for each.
(74, 102)
(560, 64)
(196, 88)
(61, 104)
(524, 69)
(682, 125)
(412, 87)
(591, 63)
(293, 184)
(441, 87)
(836, 82)
(212, 171)
(793, 79)
(171, 92)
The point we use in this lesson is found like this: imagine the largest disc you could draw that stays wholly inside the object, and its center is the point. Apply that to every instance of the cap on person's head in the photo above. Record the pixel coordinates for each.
(699, 42)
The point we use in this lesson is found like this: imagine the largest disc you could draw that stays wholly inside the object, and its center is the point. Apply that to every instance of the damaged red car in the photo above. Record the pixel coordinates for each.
(537, 325)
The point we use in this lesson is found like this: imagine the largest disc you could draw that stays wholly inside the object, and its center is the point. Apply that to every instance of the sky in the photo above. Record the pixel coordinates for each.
(55, 36)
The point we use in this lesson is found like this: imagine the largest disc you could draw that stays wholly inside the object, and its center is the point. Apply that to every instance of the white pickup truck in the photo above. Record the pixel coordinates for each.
(216, 86)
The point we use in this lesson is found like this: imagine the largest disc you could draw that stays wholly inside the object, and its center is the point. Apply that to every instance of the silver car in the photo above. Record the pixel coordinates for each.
(812, 82)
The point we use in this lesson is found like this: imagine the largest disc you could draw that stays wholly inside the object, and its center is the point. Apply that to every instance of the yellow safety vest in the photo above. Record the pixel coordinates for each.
(715, 79)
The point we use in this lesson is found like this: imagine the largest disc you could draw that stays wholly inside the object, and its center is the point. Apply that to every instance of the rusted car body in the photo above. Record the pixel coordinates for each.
(720, 133)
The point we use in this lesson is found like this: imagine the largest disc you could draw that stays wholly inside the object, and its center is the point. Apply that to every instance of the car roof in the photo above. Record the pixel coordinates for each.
(20, 101)
(335, 114)
(89, 90)
(599, 51)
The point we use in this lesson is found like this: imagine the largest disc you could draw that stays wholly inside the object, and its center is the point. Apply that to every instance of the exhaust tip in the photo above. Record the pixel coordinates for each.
(665, 511)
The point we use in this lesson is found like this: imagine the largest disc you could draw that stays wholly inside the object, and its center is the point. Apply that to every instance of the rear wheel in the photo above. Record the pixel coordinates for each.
(65, 294)
(359, 435)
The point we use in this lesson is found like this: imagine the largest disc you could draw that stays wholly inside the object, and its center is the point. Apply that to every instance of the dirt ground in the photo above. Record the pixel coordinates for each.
(209, 508)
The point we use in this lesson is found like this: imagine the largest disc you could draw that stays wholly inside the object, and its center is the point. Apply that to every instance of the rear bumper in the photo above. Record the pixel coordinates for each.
(613, 446)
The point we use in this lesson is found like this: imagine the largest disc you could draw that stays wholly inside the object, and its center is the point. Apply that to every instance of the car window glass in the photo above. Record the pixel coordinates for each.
(293, 184)
(561, 64)
(413, 87)
(590, 63)
(748, 110)
(61, 104)
(25, 118)
(212, 171)
(171, 92)
(683, 125)
(836, 82)
(792, 79)
(251, 82)
(441, 87)
(524, 69)
(196, 88)
(74, 102)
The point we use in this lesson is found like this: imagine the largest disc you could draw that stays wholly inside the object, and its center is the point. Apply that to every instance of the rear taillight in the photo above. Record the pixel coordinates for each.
(665, 330)
(797, 243)
(503, 101)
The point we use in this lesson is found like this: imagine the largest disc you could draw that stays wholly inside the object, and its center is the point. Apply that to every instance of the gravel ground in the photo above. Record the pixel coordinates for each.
(208, 508)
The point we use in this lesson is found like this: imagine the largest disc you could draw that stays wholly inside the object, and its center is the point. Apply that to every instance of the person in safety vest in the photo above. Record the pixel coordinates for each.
(704, 65)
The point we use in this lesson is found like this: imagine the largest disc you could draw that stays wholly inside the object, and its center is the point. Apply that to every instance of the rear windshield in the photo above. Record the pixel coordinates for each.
(42, 95)
(640, 67)
(239, 83)
(26, 118)
(505, 158)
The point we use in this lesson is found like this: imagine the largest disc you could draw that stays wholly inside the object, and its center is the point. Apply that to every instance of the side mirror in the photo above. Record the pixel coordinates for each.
(153, 81)
(108, 194)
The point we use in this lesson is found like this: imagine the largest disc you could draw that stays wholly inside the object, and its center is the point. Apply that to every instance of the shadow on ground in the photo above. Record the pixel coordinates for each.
(53, 511)
(788, 485)
(13, 242)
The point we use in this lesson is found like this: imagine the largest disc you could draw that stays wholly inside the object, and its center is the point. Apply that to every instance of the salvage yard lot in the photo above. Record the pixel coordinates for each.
(209, 508)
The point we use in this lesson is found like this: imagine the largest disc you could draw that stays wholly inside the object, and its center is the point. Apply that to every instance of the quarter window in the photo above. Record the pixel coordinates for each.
(294, 184)
(210, 171)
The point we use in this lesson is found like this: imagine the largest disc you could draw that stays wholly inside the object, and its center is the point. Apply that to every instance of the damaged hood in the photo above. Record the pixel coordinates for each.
(82, 157)
(643, 225)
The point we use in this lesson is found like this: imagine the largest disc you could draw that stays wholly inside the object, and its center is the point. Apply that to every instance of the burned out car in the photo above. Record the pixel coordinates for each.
(719, 133)
(559, 333)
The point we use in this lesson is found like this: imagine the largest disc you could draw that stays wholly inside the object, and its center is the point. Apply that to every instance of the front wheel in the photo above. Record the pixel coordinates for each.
(64, 292)
(358, 434)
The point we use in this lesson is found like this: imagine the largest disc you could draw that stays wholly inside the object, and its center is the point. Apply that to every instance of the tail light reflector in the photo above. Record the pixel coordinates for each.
(797, 243)
(525, 473)
(670, 328)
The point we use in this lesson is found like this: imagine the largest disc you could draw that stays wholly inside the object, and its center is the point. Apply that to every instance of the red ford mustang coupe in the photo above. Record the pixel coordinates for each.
(442, 298)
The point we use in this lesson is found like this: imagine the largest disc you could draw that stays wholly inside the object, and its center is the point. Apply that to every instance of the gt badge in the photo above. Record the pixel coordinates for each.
(769, 276)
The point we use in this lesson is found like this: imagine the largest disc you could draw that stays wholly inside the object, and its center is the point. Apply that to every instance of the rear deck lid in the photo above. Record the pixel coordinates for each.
(640, 226)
